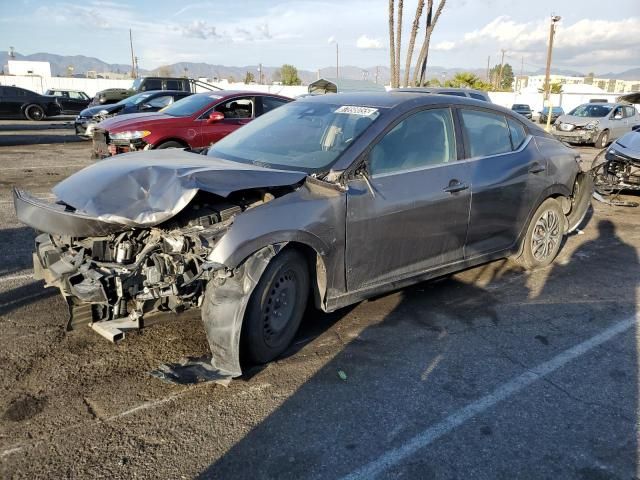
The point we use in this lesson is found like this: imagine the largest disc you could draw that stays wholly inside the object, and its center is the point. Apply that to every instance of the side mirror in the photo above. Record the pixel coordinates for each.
(617, 116)
(215, 117)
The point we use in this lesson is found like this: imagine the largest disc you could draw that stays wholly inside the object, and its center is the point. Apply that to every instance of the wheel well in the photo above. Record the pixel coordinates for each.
(317, 271)
(177, 140)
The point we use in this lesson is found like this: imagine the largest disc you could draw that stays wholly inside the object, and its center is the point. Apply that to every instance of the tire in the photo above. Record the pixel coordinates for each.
(170, 145)
(548, 218)
(34, 113)
(603, 139)
(275, 308)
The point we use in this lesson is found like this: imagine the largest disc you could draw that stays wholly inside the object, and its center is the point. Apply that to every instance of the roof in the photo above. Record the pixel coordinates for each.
(228, 93)
(391, 99)
(341, 85)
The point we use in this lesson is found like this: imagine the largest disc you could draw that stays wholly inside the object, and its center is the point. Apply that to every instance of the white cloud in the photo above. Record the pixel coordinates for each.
(366, 43)
(444, 46)
(586, 42)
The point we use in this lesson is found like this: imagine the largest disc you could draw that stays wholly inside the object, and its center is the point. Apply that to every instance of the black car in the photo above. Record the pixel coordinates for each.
(71, 101)
(151, 101)
(16, 102)
(555, 113)
(523, 109)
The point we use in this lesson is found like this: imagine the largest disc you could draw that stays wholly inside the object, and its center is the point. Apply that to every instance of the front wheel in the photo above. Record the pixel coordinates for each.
(276, 307)
(544, 236)
(603, 139)
(170, 144)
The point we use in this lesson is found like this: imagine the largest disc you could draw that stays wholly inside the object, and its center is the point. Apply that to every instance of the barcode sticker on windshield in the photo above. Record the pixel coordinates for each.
(355, 110)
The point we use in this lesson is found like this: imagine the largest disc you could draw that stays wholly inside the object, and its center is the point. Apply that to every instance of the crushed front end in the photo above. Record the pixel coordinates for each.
(106, 144)
(112, 276)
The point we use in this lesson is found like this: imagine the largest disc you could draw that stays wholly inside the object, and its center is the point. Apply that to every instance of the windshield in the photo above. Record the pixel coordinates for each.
(520, 106)
(134, 99)
(299, 136)
(136, 83)
(591, 110)
(189, 105)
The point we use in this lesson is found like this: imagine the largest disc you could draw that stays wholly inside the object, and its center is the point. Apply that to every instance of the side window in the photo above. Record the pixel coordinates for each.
(517, 133)
(19, 92)
(160, 102)
(629, 111)
(173, 85)
(487, 133)
(617, 113)
(455, 94)
(237, 108)
(152, 84)
(423, 139)
(271, 103)
(477, 96)
(76, 95)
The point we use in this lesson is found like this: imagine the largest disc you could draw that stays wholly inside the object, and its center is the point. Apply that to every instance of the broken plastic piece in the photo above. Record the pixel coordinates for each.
(191, 370)
(342, 375)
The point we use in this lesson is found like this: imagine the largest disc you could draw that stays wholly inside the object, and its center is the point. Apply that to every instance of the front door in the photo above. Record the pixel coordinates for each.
(411, 213)
(237, 112)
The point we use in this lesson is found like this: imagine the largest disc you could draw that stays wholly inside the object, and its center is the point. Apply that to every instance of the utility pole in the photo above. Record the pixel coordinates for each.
(133, 58)
(499, 85)
(337, 63)
(488, 71)
(547, 80)
(377, 71)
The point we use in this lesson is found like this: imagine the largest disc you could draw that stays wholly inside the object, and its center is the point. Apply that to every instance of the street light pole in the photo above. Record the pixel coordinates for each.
(547, 81)
(337, 63)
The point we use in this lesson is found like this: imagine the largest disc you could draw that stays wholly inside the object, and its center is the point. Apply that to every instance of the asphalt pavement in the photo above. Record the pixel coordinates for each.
(493, 373)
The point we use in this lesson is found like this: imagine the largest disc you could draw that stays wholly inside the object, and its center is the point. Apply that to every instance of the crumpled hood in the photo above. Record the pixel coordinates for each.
(577, 121)
(132, 121)
(142, 189)
(628, 144)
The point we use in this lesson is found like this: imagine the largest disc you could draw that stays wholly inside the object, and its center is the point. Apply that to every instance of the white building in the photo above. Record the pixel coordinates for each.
(21, 67)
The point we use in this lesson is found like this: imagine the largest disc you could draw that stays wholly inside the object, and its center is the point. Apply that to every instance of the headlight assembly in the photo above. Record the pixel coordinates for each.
(132, 135)
(591, 125)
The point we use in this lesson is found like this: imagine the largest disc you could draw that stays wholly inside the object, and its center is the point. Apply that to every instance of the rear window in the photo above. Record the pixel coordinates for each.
(477, 96)
(517, 132)
(487, 133)
(175, 85)
(152, 84)
(456, 94)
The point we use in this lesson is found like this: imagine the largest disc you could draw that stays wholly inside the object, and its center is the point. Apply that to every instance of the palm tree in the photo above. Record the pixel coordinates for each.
(396, 74)
(432, 20)
(412, 41)
(467, 80)
(392, 43)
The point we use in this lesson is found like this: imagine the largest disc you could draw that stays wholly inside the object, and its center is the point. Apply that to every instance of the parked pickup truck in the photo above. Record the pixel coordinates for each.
(143, 84)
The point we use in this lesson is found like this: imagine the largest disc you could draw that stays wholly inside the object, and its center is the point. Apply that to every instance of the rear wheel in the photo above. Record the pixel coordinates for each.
(276, 307)
(170, 145)
(34, 112)
(544, 236)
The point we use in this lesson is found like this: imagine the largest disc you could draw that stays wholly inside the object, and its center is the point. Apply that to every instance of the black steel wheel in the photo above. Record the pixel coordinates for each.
(34, 112)
(276, 307)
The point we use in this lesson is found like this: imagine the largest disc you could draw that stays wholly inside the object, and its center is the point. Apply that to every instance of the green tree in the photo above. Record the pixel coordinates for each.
(504, 81)
(289, 75)
(555, 88)
(434, 82)
(467, 80)
(249, 78)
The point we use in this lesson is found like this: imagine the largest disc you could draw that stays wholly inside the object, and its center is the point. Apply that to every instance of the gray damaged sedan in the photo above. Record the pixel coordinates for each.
(596, 123)
(328, 200)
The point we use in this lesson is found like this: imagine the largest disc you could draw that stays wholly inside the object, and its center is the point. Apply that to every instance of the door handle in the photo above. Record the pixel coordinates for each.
(537, 168)
(455, 186)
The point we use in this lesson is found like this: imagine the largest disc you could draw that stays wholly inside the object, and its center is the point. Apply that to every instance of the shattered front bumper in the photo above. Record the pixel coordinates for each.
(577, 136)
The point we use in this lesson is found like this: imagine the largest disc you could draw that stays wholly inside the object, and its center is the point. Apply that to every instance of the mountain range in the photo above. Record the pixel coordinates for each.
(82, 64)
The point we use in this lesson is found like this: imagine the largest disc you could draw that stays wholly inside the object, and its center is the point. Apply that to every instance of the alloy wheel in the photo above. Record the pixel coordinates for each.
(546, 235)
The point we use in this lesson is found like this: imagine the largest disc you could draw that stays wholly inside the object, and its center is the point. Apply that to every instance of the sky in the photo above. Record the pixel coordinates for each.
(304, 32)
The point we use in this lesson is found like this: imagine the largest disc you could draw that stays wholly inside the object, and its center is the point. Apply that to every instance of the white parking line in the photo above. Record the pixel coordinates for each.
(502, 392)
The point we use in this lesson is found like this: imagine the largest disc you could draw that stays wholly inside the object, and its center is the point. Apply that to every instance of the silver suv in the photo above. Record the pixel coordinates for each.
(596, 123)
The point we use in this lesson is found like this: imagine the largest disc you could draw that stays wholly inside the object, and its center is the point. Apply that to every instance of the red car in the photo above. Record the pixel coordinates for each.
(193, 122)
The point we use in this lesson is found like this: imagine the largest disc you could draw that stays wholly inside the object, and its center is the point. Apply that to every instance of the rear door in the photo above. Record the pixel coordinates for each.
(617, 123)
(75, 102)
(508, 174)
(415, 219)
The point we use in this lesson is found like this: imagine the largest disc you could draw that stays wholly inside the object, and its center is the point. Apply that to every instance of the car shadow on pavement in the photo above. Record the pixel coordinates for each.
(437, 347)
(16, 140)
(16, 247)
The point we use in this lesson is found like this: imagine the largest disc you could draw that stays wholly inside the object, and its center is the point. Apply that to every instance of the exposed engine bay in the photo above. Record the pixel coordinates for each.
(613, 175)
(123, 276)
